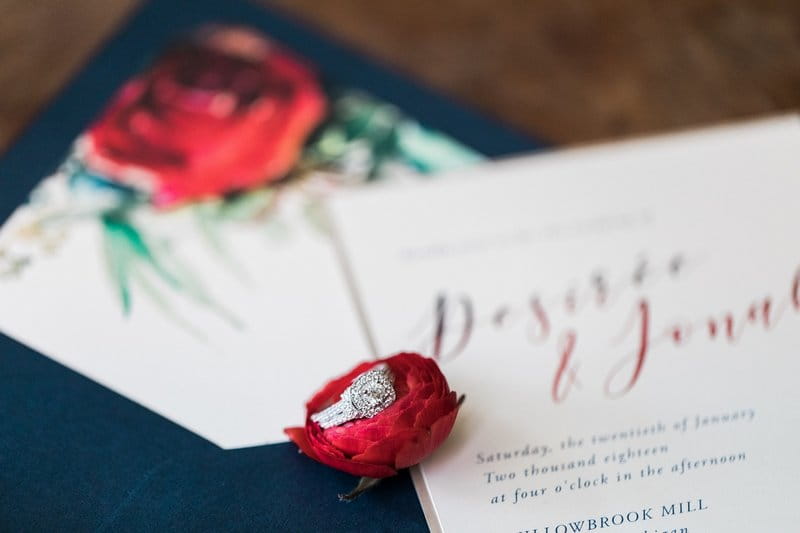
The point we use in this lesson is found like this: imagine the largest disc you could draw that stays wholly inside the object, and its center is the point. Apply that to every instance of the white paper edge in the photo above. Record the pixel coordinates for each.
(425, 500)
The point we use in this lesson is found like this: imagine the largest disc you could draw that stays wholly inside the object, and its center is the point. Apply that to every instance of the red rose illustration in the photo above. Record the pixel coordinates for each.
(401, 435)
(226, 111)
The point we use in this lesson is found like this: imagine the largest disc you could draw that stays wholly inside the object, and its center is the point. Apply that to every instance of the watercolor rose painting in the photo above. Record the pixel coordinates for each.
(225, 128)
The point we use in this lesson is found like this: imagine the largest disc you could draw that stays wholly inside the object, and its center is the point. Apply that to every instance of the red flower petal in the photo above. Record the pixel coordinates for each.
(435, 409)
(298, 436)
(384, 451)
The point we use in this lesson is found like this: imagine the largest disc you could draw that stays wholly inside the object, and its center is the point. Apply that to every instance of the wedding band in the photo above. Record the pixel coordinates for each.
(369, 394)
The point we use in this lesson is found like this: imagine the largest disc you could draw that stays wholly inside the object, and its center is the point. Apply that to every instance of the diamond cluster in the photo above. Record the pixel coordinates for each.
(372, 392)
(369, 394)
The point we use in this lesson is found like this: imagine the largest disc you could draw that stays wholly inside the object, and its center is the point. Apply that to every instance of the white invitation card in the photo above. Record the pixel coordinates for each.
(624, 322)
(235, 371)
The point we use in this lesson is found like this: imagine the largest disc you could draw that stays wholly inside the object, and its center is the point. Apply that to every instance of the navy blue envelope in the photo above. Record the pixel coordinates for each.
(76, 456)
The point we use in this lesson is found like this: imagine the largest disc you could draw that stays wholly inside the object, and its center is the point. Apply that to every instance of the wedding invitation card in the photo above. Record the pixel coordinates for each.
(624, 321)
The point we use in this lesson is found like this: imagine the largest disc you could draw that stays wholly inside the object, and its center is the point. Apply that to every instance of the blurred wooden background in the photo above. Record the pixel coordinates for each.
(567, 70)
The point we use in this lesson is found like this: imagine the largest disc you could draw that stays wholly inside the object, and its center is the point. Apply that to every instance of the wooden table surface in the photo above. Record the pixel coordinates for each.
(567, 70)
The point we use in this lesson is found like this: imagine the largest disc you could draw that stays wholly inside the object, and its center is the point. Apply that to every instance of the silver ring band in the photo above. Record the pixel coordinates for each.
(369, 394)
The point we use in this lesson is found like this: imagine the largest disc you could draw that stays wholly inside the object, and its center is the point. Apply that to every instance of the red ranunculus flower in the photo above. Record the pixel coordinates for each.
(400, 436)
(227, 110)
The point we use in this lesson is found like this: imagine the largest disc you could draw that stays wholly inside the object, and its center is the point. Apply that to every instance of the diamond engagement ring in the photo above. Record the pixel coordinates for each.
(369, 394)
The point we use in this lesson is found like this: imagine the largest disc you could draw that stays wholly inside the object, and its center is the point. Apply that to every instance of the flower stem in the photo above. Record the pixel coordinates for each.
(364, 484)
